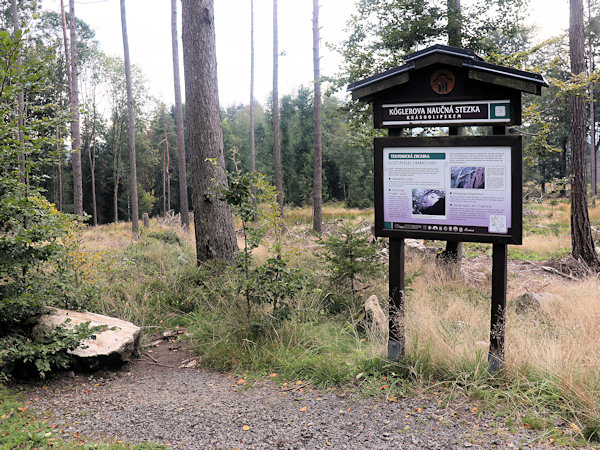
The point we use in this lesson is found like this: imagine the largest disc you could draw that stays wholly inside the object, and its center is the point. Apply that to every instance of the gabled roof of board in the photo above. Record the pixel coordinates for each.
(478, 69)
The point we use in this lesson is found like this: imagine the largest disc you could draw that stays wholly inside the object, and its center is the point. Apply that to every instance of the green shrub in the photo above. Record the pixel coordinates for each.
(351, 260)
(168, 236)
(40, 352)
(37, 245)
(273, 283)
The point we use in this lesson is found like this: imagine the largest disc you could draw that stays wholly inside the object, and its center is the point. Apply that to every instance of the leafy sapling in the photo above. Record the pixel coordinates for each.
(254, 201)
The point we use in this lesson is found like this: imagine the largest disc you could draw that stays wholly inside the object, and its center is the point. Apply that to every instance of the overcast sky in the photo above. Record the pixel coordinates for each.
(149, 30)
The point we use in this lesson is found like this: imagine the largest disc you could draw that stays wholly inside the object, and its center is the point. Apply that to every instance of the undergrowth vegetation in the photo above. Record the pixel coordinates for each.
(40, 261)
(552, 370)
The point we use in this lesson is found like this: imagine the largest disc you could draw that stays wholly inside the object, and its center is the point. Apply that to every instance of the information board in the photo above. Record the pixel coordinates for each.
(461, 188)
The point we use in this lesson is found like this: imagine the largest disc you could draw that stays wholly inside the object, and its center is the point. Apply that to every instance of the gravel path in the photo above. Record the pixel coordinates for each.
(191, 408)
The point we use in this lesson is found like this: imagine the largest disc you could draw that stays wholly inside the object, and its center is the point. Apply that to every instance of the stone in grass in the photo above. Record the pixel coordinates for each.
(375, 320)
(533, 302)
(113, 346)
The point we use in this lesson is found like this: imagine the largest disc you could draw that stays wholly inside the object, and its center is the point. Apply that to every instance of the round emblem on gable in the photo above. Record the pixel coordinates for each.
(442, 81)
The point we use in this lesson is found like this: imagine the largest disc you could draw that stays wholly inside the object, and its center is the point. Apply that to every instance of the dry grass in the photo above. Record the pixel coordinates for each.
(594, 212)
(545, 246)
(133, 275)
(448, 320)
(331, 212)
(560, 213)
(118, 236)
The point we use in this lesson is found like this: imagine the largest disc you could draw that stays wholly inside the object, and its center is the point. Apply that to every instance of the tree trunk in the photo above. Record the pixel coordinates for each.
(168, 188)
(167, 175)
(75, 134)
(92, 161)
(181, 164)
(93, 171)
(68, 72)
(454, 29)
(59, 169)
(66, 46)
(131, 127)
(318, 153)
(252, 138)
(562, 165)
(276, 131)
(164, 183)
(581, 233)
(452, 255)
(116, 165)
(592, 118)
(593, 164)
(20, 97)
(215, 235)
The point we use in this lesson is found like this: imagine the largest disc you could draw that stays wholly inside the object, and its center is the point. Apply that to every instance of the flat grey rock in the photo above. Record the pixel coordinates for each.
(119, 339)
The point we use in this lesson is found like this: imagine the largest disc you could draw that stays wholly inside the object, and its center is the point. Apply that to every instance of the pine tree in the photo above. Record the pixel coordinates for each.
(252, 131)
(213, 220)
(276, 130)
(75, 132)
(131, 127)
(181, 163)
(581, 232)
(318, 152)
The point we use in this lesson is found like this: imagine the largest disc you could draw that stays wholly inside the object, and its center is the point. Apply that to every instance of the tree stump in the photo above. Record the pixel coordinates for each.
(146, 220)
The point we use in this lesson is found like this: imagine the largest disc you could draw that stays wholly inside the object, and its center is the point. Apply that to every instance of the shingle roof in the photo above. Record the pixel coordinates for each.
(490, 73)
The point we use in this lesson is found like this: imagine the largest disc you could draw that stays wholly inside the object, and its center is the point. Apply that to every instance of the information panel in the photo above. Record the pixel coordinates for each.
(462, 186)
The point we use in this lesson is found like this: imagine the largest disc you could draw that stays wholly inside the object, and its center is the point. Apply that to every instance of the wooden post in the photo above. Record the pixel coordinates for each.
(499, 281)
(396, 338)
(498, 312)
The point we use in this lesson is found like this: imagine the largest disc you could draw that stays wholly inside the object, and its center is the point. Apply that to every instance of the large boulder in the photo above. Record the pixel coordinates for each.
(115, 345)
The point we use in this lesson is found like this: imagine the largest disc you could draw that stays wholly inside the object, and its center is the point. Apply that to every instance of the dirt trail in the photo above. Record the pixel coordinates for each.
(154, 400)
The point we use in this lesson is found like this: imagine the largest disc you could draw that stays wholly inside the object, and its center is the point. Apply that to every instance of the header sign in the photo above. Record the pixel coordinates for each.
(445, 113)
(451, 188)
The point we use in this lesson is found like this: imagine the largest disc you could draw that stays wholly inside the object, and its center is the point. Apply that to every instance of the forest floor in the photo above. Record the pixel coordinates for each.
(156, 400)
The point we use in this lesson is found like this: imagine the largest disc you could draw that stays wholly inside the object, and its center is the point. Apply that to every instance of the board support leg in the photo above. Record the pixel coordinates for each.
(498, 311)
(396, 340)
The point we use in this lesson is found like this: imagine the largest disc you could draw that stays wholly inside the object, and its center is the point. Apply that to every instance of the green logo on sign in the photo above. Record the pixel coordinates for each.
(500, 111)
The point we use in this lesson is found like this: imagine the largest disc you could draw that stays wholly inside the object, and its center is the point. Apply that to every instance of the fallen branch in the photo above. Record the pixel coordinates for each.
(156, 363)
(163, 365)
(558, 272)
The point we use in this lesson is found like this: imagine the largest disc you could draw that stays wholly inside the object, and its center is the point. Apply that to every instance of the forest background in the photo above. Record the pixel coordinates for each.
(347, 154)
